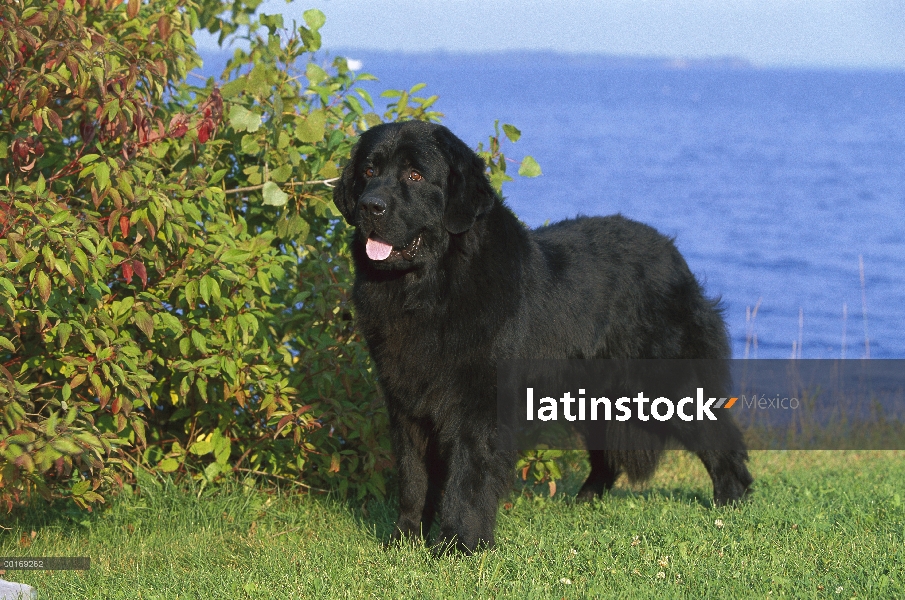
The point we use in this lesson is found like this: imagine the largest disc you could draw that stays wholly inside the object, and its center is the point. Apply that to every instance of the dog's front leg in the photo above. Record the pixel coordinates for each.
(477, 478)
(410, 443)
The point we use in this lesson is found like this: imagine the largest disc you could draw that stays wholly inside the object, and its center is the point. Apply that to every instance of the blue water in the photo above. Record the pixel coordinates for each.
(773, 182)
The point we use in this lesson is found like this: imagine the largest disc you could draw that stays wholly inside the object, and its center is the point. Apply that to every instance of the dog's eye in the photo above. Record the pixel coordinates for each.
(369, 172)
(415, 176)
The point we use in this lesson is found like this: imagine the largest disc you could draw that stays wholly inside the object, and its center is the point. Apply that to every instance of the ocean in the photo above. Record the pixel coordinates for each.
(784, 189)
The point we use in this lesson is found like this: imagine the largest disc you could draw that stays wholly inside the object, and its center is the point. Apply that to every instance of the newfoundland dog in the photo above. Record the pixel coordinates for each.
(448, 282)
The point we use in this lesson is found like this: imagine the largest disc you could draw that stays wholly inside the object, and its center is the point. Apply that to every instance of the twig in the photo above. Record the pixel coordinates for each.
(252, 188)
(292, 481)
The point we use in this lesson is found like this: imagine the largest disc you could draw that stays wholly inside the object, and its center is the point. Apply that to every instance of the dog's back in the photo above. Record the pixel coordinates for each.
(610, 287)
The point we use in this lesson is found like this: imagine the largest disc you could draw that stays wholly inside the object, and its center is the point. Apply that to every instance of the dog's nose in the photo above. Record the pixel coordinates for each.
(374, 205)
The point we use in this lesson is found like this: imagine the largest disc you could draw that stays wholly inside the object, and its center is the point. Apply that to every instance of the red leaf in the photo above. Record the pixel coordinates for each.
(38, 18)
(140, 270)
(283, 423)
(179, 126)
(55, 119)
(86, 130)
(213, 107)
(124, 225)
(103, 395)
(163, 26)
(204, 131)
(150, 227)
(127, 270)
(38, 122)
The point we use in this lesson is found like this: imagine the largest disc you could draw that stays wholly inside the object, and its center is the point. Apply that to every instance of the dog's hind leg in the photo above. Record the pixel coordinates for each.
(720, 447)
(731, 478)
(604, 473)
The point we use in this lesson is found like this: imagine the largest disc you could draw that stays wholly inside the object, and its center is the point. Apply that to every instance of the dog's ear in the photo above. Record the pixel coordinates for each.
(469, 193)
(343, 191)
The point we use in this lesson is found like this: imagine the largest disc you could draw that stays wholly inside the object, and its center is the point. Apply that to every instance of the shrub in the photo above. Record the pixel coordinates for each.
(173, 275)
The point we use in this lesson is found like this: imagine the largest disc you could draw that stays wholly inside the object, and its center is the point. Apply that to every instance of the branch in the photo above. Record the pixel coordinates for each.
(292, 481)
(251, 188)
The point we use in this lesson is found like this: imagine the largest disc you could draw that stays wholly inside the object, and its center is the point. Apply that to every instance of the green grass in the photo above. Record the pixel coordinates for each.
(818, 522)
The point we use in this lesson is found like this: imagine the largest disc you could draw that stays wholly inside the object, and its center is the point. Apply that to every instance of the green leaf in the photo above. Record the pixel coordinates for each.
(234, 255)
(211, 471)
(168, 465)
(199, 341)
(81, 487)
(294, 227)
(234, 87)
(139, 427)
(260, 79)
(102, 175)
(191, 292)
(64, 330)
(66, 446)
(144, 322)
(205, 289)
(314, 18)
(310, 129)
(80, 259)
(249, 144)
(5, 343)
(43, 282)
(58, 218)
(222, 447)
(281, 174)
(273, 195)
(243, 119)
(529, 168)
(315, 74)
(7, 285)
(512, 132)
(92, 497)
(170, 322)
(200, 448)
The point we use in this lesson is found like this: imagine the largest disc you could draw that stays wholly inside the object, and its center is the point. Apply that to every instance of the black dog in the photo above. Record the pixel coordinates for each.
(448, 282)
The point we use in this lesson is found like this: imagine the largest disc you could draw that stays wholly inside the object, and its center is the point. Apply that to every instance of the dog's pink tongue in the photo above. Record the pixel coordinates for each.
(378, 250)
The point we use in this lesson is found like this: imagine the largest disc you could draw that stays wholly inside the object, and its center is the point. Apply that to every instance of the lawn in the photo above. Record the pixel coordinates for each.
(820, 524)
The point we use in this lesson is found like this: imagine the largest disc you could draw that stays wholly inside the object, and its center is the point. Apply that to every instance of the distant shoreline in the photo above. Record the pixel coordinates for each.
(516, 59)
(552, 58)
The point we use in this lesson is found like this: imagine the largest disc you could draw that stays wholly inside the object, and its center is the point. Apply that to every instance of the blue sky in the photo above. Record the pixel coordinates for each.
(821, 33)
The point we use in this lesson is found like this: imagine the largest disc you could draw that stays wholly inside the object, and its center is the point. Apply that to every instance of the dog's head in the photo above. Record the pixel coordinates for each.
(406, 187)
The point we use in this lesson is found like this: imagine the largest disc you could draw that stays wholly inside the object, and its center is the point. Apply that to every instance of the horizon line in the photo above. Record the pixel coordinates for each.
(726, 62)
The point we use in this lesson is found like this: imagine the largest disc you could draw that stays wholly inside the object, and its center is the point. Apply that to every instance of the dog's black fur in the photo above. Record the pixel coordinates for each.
(467, 285)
